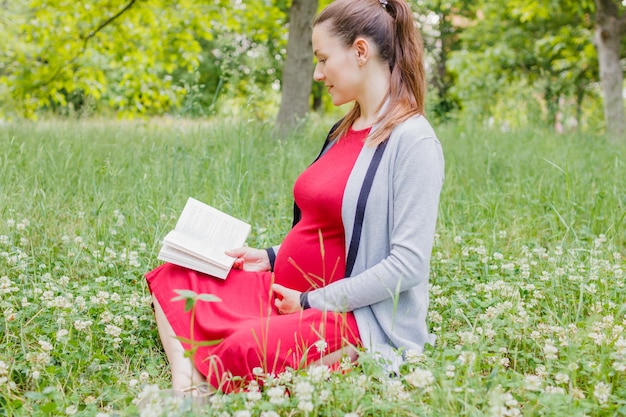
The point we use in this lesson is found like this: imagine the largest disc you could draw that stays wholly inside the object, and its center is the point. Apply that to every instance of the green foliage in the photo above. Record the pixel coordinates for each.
(441, 23)
(527, 283)
(134, 57)
(195, 58)
(547, 46)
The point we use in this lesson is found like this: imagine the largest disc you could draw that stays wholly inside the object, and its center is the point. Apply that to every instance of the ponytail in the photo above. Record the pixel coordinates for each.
(392, 28)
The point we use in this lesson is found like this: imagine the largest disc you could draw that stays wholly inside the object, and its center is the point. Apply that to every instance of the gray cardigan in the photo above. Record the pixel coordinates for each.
(388, 287)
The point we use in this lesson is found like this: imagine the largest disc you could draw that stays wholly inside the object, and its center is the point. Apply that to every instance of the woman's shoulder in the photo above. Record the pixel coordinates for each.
(417, 127)
(413, 131)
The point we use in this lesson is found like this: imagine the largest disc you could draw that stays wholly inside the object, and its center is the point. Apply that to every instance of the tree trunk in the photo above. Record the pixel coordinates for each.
(298, 69)
(610, 28)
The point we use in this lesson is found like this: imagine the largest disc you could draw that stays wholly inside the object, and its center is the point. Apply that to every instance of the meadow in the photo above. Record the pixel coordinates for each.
(527, 286)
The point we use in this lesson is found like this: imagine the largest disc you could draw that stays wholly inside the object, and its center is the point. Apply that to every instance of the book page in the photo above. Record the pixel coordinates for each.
(182, 258)
(208, 232)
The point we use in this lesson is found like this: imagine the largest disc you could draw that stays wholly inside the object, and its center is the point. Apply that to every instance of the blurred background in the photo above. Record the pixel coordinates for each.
(504, 63)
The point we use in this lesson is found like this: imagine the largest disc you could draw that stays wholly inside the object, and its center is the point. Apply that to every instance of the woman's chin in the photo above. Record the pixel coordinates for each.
(338, 101)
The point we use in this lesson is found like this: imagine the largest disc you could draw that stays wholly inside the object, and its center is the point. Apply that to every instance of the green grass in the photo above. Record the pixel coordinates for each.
(527, 298)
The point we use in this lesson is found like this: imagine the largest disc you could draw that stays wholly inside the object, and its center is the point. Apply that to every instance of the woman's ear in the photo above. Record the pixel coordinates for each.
(362, 49)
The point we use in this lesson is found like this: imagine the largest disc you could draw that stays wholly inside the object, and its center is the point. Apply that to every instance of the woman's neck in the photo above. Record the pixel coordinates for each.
(372, 98)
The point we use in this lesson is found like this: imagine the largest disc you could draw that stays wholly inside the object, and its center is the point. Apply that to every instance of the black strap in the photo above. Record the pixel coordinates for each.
(360, 206)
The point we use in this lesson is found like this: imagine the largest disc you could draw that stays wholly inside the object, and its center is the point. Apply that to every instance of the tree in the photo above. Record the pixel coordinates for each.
(440, 24)
(298, 69)
(545, 46)
(132, 56)
(609, 32)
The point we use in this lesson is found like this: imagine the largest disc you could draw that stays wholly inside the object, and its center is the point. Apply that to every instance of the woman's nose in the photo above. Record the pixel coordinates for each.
(318, 75)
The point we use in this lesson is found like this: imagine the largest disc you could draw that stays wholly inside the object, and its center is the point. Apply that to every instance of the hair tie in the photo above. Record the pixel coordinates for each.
(383, 3)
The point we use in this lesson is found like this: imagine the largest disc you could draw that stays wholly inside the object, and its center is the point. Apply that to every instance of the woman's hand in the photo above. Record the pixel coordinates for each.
(250, 259)
(287, 300)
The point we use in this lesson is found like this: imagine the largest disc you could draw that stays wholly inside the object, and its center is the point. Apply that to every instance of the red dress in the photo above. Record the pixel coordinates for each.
(253, 334)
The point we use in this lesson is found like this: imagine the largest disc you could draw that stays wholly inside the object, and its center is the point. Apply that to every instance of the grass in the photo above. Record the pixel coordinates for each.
(527, 284)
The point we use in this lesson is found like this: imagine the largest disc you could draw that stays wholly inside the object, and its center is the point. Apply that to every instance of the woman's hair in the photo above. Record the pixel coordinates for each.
(390, 25)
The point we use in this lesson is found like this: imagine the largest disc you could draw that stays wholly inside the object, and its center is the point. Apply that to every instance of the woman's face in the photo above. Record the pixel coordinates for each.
(337, 66)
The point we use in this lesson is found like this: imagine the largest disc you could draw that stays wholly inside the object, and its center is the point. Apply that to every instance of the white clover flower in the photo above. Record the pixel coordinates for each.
(276, 394)
(45, 345)
(4, 369)
(306, 406)
(468, 338)
(598, 338)
(324, 395)
(112, 330)
(466, 358)
(62, 333)
(254, 396)
(498, 256)
(420, 378)
(269, 414)
(433, 315)
(599, 241)
(554, 390)
(4, 239)
(510, 266)
(602, 391)
(541, 371)
(7, 286)
(71, 410)
(82, 325)
(149, 390)
(304, 390)
(591, 288)
(578, 394)
(413, 356)
(106, 317)
(619, 366)
(395, 389)
(319, 373)
(321, 345)
(458, 239)
(503, 404)
(345, 364)
(550, 351)
(352, 414)
(561, 378)
(217, 402)
(533, 383)
(285, 377)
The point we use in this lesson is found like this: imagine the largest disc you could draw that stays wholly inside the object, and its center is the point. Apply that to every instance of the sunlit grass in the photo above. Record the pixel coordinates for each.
(527, 297)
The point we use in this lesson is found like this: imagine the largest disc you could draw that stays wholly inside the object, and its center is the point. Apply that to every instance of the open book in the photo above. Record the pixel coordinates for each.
(200, 238)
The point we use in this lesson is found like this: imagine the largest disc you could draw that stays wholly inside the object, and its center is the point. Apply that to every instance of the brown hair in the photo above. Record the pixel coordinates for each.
(392, 29)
